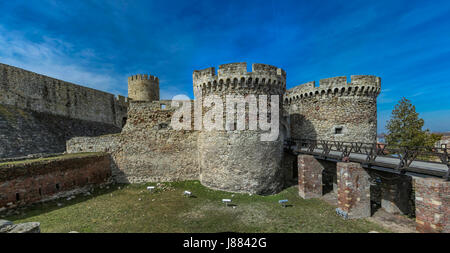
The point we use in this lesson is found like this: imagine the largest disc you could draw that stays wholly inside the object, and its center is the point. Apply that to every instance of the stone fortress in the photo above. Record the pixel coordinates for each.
(111, 138)
(149, 150)
(39, 114)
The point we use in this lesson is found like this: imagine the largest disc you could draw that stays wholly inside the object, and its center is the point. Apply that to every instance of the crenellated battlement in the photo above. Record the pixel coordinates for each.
(360, 85)
(143, 87)
(143, 77)
(234, 77)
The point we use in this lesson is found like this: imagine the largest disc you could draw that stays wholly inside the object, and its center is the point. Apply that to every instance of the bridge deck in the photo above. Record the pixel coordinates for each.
(420, 167)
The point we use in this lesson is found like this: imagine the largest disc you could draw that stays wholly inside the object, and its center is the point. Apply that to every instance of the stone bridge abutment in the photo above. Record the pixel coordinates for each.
(360, 191)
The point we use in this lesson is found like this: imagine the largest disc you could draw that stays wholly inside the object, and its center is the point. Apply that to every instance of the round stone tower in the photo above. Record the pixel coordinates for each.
(335, 110)
(239, 160)
(143, 88)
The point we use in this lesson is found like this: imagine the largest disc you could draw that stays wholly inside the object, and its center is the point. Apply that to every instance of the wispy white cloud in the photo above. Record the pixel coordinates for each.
(54, 57)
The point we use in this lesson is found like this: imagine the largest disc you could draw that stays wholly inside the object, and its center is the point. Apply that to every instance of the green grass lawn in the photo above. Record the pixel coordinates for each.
(131, 208)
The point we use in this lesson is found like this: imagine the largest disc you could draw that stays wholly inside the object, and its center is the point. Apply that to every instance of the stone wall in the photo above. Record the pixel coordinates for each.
(26, 182)
(240, 162)
(148, 149)
(237, 160)
(432, 205)
(335, 110)
(27, 90)
(24, 132)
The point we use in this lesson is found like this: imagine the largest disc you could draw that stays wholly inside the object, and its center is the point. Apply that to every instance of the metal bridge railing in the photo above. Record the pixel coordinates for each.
(372, 151)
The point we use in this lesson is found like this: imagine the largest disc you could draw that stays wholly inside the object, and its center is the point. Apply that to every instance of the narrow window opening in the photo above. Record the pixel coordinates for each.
(338, 130)
(40, 192)
(17, 196)
(57, 186)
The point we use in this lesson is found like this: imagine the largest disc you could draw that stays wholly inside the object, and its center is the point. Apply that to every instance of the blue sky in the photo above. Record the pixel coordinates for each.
(100, 43)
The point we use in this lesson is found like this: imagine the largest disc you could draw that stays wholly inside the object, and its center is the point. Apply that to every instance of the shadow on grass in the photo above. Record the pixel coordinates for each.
(36, 209)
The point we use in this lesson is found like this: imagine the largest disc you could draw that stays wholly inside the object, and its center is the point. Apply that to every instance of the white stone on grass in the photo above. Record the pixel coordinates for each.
(226, 201)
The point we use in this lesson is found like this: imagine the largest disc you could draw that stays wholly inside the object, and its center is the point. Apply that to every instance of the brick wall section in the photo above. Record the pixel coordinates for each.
(353, 191)
(432, 205)
(309, 177)
(27, 182)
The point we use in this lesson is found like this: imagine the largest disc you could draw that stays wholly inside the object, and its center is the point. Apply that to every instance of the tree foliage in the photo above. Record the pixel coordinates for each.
(405, 127)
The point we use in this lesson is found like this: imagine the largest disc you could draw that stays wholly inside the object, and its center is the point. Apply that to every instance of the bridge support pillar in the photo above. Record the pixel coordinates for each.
(309, 177)
(353, 191)
(432, 205)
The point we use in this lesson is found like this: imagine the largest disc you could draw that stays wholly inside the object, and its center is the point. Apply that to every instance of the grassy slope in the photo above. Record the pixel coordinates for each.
(166, 210)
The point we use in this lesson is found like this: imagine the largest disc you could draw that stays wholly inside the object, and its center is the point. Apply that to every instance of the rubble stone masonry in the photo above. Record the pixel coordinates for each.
(148, 149)
(335, 110)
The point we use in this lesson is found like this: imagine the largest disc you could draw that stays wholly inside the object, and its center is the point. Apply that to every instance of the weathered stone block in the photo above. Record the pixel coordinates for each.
(28, 227)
